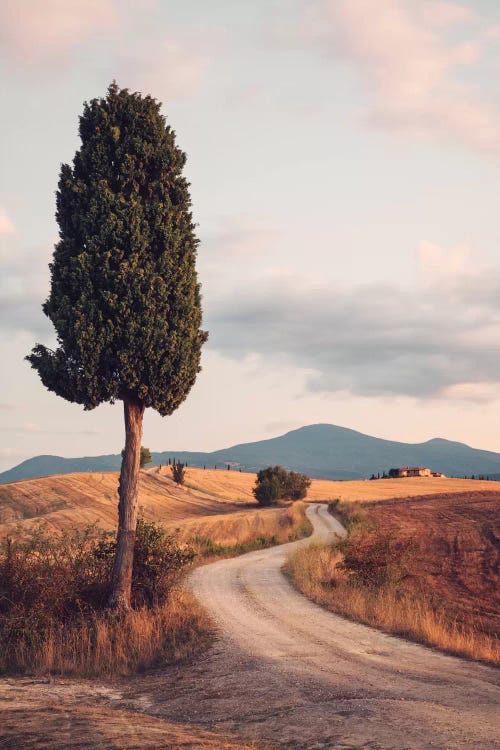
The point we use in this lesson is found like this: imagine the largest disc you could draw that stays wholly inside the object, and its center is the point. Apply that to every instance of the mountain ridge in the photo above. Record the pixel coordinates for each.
(322, 450)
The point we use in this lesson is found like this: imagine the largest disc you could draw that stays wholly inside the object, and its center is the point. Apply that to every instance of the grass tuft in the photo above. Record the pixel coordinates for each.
(374, 593)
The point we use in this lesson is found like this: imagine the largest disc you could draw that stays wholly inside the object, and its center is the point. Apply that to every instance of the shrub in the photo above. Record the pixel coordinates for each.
(178, 473)
(267, 491)
(276, 483)
(55, 582)
(374, 558)
(297, 485)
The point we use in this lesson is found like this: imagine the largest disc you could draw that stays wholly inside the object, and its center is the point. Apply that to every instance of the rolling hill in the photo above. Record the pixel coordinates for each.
(218, 504)
(322, 450)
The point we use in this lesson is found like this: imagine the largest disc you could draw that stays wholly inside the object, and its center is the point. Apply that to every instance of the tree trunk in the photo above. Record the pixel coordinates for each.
(128, 491)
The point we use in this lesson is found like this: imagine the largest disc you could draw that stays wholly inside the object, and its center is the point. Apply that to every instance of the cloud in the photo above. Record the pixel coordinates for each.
(24, 285)
(242, 237)
(163, 66)
(35, 32)
(374, 340)
(437, 264)
(58, 35)
(30, 427)
(6, 225)
(410, 54)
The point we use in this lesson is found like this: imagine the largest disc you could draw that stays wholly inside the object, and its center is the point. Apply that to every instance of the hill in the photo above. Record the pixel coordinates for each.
(322, 451)
(213, 503)
(77, 500)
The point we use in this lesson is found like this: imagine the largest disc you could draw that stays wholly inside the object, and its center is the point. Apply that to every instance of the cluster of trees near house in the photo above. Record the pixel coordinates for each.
(393, 474)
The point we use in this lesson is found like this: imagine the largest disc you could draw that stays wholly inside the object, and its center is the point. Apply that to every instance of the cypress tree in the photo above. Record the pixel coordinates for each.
(124, 299)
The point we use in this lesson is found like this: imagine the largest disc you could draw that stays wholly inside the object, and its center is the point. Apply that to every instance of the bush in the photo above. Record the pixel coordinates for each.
(178, 473)
(267, 492)
(276, 483)
(373, 558)
(54, 582)
(297, 485)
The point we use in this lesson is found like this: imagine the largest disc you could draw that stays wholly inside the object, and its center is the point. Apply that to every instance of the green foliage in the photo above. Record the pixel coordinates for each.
(157, 560)
(178, 473)
(276, 483)
(206, 547)
(49, 578)
(297, 485)
(146, 457)
(124, 299)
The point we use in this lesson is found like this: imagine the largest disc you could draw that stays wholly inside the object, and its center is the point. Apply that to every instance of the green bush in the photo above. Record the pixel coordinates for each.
(276, 483)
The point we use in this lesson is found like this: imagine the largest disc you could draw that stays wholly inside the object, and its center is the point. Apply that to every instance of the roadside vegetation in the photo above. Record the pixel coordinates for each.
(239, 533)
(53, 604)
(54, 589)
(399, 578)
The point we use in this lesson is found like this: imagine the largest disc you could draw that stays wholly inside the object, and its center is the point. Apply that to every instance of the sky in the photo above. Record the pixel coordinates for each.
(344, 161)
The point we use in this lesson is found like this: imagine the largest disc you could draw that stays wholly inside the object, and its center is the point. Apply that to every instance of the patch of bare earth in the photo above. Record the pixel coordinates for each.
(40, 715)
(455, 554)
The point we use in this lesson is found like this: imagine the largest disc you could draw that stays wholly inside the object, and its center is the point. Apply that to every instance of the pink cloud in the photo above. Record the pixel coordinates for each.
(6, 224)
(40, 32)
(173, 69)
(436, 263)
(411, 65)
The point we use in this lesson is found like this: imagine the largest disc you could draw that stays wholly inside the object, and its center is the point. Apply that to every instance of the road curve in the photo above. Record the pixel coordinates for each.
(360, 687)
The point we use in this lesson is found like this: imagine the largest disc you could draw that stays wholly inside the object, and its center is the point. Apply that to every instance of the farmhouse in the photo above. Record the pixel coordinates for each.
(411, 471)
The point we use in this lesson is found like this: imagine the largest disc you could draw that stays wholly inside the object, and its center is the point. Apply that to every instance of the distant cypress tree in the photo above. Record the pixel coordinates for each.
(125, 299)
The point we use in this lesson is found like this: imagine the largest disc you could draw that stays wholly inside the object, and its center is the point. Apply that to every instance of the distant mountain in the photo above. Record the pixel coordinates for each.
(321, 450)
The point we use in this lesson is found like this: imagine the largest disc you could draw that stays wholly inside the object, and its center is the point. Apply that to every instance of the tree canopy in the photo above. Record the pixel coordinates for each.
(276, 483)
(124, 299)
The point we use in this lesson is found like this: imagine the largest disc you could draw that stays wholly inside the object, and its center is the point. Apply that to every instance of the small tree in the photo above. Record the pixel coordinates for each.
(146, 457)
(276, 483)
(296, 485)
(178, 473)
(267, 492)
(124, 300)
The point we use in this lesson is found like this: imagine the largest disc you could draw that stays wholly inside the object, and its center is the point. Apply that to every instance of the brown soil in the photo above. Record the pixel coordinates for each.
(455, 551)
(38, 715)
(282, 671)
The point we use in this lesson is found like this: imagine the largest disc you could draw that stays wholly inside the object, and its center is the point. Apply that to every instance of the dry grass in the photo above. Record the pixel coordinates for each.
(57, 621)
(108, 644)
(242, 532)
(315, 573)
(235, 486)
(77, 500)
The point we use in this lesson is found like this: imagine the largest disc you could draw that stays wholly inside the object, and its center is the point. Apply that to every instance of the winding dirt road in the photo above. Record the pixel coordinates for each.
(283, 673)
(287, 671)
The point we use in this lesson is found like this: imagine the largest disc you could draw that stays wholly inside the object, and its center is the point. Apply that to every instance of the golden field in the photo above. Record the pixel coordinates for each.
(77, 500)
(237, 487)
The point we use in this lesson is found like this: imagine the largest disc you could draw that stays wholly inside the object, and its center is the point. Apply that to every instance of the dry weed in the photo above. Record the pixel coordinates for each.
(317, 572)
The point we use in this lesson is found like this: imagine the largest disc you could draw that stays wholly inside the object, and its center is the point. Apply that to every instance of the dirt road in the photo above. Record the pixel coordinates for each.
(289, 672)
(284, 673)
